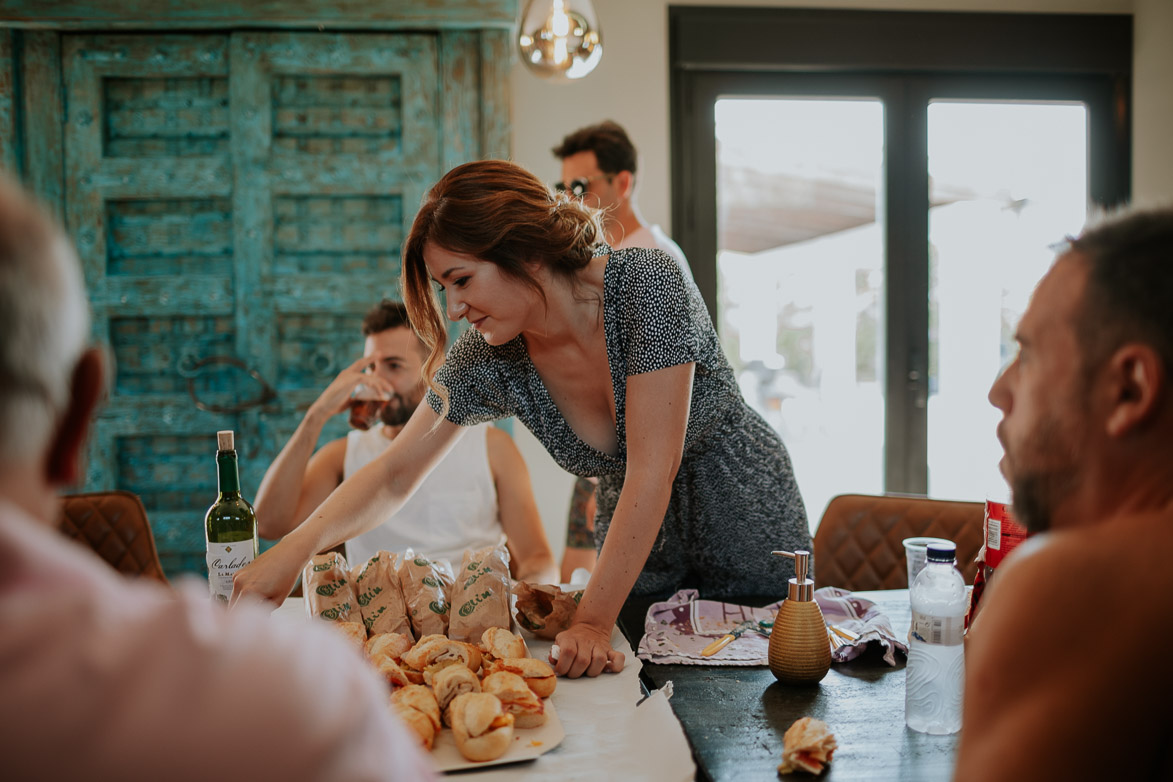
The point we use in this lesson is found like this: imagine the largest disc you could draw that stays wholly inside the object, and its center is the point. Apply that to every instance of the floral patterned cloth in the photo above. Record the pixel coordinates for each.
(676, 630)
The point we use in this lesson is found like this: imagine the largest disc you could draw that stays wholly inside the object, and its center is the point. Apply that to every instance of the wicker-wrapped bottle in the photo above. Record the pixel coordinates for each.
(800, 652)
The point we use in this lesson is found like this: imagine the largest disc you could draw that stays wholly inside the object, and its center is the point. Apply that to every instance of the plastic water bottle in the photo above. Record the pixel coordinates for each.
(936, 656)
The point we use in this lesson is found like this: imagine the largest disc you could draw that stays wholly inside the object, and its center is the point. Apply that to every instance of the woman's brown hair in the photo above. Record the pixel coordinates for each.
(494, 211)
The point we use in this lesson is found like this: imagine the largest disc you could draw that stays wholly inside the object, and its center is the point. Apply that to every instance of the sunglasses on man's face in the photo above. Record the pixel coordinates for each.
(579, 187)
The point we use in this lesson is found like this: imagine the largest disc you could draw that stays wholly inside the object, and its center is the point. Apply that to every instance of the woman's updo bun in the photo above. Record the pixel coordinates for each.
(494, 211)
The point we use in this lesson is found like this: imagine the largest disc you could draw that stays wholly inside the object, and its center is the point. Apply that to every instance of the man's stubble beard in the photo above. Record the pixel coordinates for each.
(397, 410)
(1037, 493)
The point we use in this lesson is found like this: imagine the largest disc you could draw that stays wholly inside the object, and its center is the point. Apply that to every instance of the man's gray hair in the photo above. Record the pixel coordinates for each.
(44, 323)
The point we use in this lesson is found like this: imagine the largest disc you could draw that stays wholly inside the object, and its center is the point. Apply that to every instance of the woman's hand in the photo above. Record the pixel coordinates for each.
(585, 648)
(271, 576)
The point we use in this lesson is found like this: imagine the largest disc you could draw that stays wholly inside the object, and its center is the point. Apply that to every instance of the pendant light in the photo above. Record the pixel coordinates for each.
(560, 39)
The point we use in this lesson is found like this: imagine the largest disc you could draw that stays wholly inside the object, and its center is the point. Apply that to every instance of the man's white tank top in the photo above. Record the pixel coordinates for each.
(455, 507)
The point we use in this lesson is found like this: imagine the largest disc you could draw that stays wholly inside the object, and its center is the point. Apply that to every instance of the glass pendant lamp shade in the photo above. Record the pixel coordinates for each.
(560, 39)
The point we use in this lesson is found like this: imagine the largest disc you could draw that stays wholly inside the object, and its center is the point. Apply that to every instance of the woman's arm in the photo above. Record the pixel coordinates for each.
(360, 504)
(519, 510)
(657, 418)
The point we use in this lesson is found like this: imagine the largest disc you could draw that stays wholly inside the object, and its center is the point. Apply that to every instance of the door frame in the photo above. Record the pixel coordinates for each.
(906, 59)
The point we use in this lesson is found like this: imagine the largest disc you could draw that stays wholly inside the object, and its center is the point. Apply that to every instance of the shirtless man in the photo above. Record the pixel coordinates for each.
(1053, 689)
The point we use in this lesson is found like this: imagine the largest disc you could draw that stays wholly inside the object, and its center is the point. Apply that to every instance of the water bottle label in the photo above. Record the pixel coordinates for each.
(939, 630)
(224, 559)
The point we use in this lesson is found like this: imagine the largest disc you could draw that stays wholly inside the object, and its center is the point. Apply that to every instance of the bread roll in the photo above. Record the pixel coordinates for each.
(516, 698)
(439, 652)
(393, 672)
(390, 645)
(419, 698)
(498, 643)
(385, 652)
(483, 731)
(419, 724)
(432, 637)
(450, 682)
(538, 675)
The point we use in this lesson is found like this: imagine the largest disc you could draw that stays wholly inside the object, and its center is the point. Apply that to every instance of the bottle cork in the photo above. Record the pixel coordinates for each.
(225, 440)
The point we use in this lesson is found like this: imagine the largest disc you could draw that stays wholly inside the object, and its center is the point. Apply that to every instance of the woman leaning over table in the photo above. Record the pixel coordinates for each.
(611, 360)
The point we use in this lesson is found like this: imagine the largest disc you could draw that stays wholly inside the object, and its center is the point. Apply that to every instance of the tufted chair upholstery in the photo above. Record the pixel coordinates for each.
(858, 542)
(114, 524)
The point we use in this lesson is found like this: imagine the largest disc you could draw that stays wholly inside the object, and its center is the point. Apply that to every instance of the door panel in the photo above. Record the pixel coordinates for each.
(238, 201)
(1008, 180)
(148, 201)
(922, 59)
(801, 279)
(334, 141)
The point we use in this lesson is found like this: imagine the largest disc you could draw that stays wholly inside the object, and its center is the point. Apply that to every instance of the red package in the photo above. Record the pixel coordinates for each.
(1003, 533)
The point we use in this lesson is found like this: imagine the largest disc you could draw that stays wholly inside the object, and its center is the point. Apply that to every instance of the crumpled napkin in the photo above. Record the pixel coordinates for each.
(676, 630)
(862, 617)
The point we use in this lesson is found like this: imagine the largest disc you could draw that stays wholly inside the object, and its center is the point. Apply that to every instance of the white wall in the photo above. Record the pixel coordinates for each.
(1152, 99)
(631, 86)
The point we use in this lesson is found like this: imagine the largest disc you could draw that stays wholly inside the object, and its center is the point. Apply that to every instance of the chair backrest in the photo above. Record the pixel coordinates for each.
(114, 524)
(858, 543)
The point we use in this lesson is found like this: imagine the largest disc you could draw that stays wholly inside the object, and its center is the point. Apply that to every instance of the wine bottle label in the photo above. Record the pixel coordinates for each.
(941, 630)
(224, 559)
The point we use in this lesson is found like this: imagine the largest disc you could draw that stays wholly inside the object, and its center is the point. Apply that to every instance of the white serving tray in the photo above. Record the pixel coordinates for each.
(528, 743)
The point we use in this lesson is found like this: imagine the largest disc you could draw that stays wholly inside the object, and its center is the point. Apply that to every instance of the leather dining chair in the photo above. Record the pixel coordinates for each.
(858, 544)
(114, 524)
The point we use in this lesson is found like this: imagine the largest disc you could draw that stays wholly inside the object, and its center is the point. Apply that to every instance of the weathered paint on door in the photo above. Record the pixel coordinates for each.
(238, 201)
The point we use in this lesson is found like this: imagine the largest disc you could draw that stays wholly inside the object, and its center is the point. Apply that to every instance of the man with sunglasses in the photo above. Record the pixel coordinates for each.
(598, 165)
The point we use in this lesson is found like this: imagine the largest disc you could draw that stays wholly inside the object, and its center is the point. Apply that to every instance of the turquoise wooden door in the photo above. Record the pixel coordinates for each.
(238, 202)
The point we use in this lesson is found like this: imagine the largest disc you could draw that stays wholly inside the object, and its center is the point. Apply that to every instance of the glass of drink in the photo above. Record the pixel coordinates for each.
(365, 404)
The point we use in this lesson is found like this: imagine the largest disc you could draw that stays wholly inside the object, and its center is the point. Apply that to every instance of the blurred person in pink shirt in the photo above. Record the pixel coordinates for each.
(107, 678)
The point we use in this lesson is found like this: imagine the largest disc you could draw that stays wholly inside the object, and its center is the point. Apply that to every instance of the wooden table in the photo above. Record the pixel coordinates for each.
(734, 718)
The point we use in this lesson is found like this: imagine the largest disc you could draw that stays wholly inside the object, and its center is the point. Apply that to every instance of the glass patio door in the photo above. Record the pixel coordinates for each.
(1007, 180)
(875, 250)
(867, 200)
(800, 273)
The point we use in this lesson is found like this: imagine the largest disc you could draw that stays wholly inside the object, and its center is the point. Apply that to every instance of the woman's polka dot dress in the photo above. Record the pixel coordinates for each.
(734, 499)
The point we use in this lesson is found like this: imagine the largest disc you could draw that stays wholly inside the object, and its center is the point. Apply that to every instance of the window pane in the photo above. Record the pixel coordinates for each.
(1008, 181)
(801, 280)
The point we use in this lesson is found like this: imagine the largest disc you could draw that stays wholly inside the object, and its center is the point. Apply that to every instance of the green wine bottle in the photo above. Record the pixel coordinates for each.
(230, 525)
